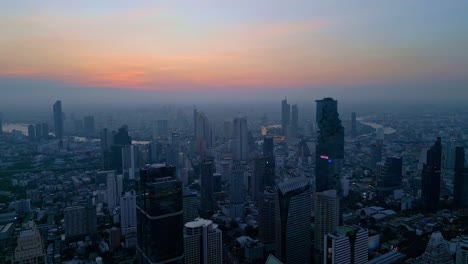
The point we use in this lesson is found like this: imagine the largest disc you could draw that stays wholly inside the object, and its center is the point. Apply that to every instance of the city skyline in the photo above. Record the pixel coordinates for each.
(215, 50)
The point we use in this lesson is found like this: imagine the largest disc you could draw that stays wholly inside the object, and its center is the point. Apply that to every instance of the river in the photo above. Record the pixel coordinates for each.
(387, 130)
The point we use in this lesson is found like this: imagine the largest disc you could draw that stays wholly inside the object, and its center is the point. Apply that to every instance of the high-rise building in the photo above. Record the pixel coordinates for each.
(31, 132)
(159, 215)
(173, 151)
(130, 162)
(207, 202)
(377, 153)
(236, 191)
(462, 251)
(30, 248)
(114, 189)
(294, 120)
(460, 184)
(263, 175)
(437, 250)
(88, 124)
(266, 208)
(162, 128)
(430, 184)
(268, 147)
(128, 222)
(190, 205)
(353, 124)
(45, 130)
(79, 221)
(347, 245)
(203, 134)
(203, 242)
(292, 221)
(155, 152)
(240, 136)
(58, 120)
(285, 117)
(327, 216)
(391, 174)
(107, 141)
(330, 145)
(121, 139)
(38, 129)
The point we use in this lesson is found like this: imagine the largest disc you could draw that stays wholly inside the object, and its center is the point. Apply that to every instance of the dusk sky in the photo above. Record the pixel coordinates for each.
(305, 48)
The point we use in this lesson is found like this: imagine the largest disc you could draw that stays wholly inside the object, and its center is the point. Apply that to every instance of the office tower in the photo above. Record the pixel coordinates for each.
(266, 208)
(174, 150)
(38, 129)
(190, 205)
(391, 173)
(437, 250)
(29, 248)
(430, 185)
(203, 135)
(460, 185)
(155, 152)
(327, 216)
(448, 155)
(236, 190)
(206, 202)
(121, 139)
(58, 120)
(203, 242)
(268, 147)
(292, 221)
(114, 189)
(294, 120)
(159, 215)
(376, 152)
(45, 130)
(114, 238)
(264, 175)
(226, 169)
(347, 245)
(107, 141)
(227, 130)
(79, 221)
(240, 137)
(162, 128)
(130, 162)
(31, 132)
(462, 251)
(88, 124)
(285, 116)
(330, 145)
(353, 124)
(128, 222)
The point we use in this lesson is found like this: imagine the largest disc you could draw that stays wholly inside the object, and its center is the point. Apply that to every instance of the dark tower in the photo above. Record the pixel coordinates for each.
(460, 190)
(58, 120)
(285, 116)
(330, 145)
(121, 139)
(159, 215)
(430, 185)
(206, 202)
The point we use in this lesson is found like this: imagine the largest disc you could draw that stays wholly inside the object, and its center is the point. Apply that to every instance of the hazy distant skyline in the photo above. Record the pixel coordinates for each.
(228, 50)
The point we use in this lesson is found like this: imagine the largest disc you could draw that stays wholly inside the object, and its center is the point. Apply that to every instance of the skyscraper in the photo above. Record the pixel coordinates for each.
(240, 136)
(266, 208)
(162, 128)
(268, 147)
(330, 145)
(38, 129)
(292, 221)
(31, 132)
(206, 202)
(430, 185)
(88, 124)
(159, 215)
(236, 190)
(79, 221)
(58, 120)
(263, 176)
(285, 116)
(190, 205)
(121, 139)
(460, 184)
(203, 134)
(45, 130)
(437, 250)
(107, 141)
(130, 162)
(391, 174)
(327, 216)
(353, 124)
(128, 222)
(294, 120)
(30, 248)
(114, 189)
(347, 245)
(203, 242)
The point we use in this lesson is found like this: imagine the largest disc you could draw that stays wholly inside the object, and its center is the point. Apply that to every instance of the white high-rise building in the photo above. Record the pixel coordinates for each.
(292, 220)
(30, 248)
(348, 244)
(114, 189)
(240, 137)
(203, 242)
(437, 250)
(462, 251)
(236, 191)
(128, 213)
(327, 216)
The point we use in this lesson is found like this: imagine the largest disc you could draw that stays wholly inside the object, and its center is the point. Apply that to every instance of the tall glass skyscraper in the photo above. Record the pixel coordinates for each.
(330, 145)
(430, 185)
(159, 215)
(58, 120)
(285, 116)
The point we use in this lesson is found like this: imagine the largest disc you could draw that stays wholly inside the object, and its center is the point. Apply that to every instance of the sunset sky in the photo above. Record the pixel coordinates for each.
(235, 46)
